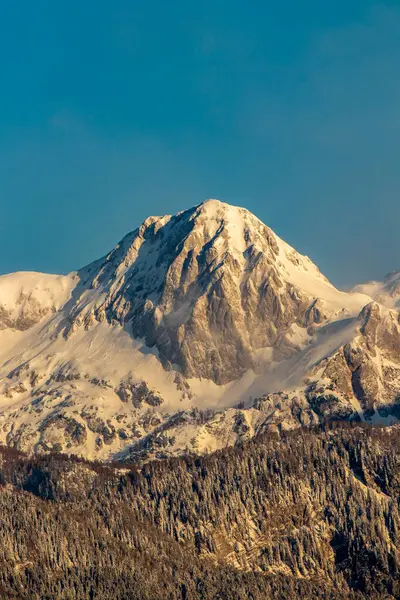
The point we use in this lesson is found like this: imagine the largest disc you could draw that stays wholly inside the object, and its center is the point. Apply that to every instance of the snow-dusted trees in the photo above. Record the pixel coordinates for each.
(310, 514)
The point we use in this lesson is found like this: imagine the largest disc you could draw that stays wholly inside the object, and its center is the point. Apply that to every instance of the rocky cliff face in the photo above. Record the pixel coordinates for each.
(210, 288)
(360, 380)
(197, 331)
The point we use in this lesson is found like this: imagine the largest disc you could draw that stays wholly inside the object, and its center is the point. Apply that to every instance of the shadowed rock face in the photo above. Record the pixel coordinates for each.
(374, 357)
(204, 287)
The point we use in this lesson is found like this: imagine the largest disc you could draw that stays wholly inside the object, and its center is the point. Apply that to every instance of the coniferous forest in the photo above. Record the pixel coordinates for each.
(307, 514)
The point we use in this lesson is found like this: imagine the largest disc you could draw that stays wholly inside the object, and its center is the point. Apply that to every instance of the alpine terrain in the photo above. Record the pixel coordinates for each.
(205, 340)
(196, 332)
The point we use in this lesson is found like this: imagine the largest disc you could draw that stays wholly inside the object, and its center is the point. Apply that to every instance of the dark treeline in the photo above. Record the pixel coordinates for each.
(312, 514)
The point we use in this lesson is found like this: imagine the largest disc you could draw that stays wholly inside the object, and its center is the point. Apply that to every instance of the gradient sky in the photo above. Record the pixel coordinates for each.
(112, 111)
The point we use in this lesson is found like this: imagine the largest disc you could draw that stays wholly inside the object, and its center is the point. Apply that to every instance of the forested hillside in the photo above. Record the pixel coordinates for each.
(310, 514)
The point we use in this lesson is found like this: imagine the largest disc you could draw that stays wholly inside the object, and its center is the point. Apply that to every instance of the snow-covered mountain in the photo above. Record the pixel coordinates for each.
(150, 350)
(210, 288)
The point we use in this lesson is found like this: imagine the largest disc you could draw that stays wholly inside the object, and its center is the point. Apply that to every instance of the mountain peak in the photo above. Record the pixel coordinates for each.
(392, 276)
(216, 209)
(202, 309)
(212, 289)
(211, 203)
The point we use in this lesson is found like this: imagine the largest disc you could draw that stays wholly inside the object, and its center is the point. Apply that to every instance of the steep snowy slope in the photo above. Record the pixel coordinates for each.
(148, 350)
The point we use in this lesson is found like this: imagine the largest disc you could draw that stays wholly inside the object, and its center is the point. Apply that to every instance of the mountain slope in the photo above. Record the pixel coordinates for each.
(358, 378)
(26, 298)
(149, 350)
(312, 514)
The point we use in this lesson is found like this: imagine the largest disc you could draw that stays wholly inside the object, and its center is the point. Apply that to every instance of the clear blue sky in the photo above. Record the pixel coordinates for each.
(111, 111)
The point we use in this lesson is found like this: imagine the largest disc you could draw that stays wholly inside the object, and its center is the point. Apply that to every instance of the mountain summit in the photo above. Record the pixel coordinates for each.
(188, 313)
(211, 288)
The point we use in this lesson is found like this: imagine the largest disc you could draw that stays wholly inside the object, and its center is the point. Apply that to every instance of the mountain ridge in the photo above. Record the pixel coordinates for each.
(205, 310)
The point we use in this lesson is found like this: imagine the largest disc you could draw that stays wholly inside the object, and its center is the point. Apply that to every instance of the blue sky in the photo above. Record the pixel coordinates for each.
(111, 111)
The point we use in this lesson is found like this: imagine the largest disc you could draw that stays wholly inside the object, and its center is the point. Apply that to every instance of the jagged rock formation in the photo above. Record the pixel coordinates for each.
(360, 380)
(197, 331)
(209, 288)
